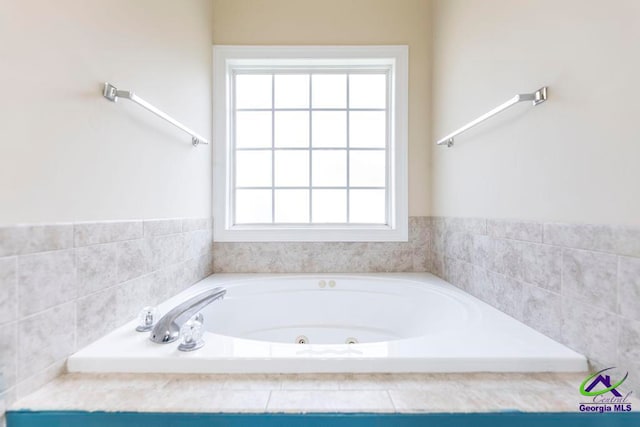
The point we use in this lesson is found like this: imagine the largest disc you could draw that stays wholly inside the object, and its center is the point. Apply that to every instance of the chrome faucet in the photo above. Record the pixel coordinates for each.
(168, 327)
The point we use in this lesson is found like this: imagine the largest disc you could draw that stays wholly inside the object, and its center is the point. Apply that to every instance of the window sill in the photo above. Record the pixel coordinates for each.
(315, 234)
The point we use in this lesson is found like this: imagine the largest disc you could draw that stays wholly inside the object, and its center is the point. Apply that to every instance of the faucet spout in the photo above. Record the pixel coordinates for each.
(168, 327)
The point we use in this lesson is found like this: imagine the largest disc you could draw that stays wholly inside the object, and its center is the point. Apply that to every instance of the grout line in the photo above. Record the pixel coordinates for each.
(38, 313)
(75, 326)
(266, 406)
(47, 252)
(393, 403)
(16, 358)
(617, 285)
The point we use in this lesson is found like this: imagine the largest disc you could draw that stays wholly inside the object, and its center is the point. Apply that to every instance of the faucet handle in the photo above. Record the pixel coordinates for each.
(147, 318)
(191, 333)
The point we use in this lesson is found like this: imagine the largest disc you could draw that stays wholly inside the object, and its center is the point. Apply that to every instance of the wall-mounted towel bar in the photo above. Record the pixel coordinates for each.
(112, 94)
(536, 97)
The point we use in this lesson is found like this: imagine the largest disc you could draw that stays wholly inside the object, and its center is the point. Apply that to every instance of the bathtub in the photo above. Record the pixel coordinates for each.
(316, 323)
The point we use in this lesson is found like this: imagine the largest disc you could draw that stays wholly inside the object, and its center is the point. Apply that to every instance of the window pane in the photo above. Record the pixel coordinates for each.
(367, 91)
(329, 129)
(292, 168)
(291, 91)
(367, 206)
(292, 129)
(253, 168)
(367, 129)
(253, 129)
(329, 90)
(367, 168)
(292, 206)
(329, 168)
(329, 206)
(253, 91)
(253, 206)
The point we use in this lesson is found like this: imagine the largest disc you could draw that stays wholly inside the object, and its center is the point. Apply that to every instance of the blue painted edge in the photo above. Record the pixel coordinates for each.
(23, 418)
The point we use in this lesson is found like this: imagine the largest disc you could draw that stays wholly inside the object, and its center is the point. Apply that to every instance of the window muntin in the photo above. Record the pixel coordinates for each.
(310, 146)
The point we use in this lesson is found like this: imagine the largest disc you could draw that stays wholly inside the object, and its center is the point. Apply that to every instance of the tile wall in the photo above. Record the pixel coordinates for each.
(329, 257)
(579, 284)
(62, 286)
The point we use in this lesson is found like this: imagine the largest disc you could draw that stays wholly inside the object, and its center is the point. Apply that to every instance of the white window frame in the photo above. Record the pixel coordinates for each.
(228, 58)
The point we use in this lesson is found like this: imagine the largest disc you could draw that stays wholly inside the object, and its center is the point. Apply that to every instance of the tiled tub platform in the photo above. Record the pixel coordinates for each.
(363, 399)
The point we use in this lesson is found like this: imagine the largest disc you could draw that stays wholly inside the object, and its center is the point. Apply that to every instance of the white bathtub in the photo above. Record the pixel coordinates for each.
(402, 323)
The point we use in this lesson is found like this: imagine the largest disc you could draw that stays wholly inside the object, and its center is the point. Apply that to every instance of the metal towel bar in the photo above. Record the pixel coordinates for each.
(537, 97)
(112, 94)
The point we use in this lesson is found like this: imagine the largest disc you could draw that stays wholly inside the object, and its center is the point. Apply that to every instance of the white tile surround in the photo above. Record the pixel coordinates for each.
(407, 393)
(329, 257)
(579, 284)
(64, 285)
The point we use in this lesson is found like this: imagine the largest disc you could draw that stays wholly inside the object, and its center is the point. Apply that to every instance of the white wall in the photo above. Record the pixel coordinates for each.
(575, 158)
(68, 154)
(340, 22)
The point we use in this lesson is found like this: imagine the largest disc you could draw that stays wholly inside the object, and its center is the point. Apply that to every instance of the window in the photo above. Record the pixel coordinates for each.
(310, 143)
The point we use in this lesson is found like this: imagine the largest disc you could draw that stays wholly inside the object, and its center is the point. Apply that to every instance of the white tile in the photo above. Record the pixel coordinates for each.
(542, 265)
(8, 289)
(194, 384)
(590, 277)
(458, 273)
(26, 239)
(365, 381)
(166, 250)
(198, 243)
(96, 316)
(506, 258)
(529, 231)
(40, 378)
(311, 382)
(193, 224)
(463, 225)
(133, 259)
(542, 310)
(45, 280)
(629, 287)
(458, 245)
(8, 356)
(219, 401)
(629, 351)
(621, 240)
(431, 401)
(159, 227)
(330, 401)
(589, 330)
(45, 339)
(97, 267)
(133, 295)
(252, 382)
(93, 233)
(419, 231)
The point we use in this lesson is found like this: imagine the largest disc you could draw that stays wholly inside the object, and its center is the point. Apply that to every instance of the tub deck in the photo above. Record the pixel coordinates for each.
(380, 393)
